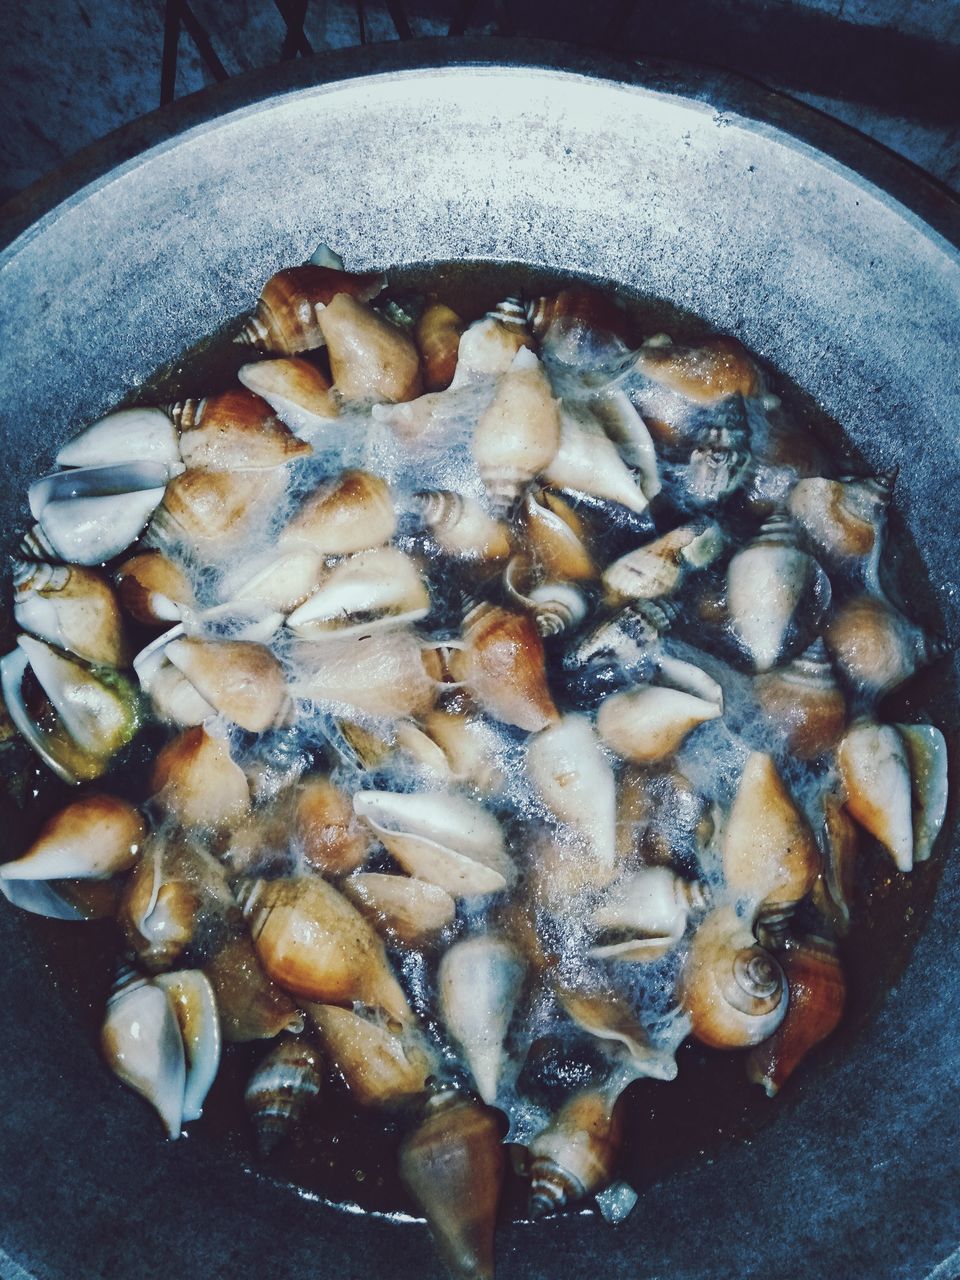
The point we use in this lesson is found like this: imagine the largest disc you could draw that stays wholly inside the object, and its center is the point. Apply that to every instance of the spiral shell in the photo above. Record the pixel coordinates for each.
(211, 510)
(556, 538)
(490, 345)
(92, 838)
(656, 569)
(504, 667)
(198, 783)
(127, 435)
(650, 723)
(368, 591)
(153, 588)
(734, 992)
(587, 461)
(461, 527)
(286, 317)
(353, 512)
(71, 607)
(817, 997)
(769, 854)
(315, 944)
(876, 647)
(844, 519)
(804, 703)
(576, 1153)
(234, 431)
(281, 1089)
(705, 373)
(554, 606)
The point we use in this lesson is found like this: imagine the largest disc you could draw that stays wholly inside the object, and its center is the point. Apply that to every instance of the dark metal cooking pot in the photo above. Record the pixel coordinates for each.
(830, 257)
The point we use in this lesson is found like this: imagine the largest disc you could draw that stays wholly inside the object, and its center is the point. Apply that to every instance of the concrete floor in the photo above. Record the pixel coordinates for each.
(72, 70)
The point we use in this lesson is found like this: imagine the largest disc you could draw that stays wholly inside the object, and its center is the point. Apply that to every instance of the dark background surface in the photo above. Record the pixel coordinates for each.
(73, 70)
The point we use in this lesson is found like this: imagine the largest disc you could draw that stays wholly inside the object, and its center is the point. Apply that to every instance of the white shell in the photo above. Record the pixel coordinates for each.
(588, 461)
(875, 770)
(765, 582)
(282, 580)
(91, 515)
(628, 431)
(927, 750)
(143, 1046)
(195, 1006)
(479, 981)
(129, 435)
(373, 589)
(653, 906)
(569, 769)
(440, 837)
(650, 723)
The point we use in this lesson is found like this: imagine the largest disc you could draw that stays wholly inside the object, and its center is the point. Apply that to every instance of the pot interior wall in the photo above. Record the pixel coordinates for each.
(675, 194)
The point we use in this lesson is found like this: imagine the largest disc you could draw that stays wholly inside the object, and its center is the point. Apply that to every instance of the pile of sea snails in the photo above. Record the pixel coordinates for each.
(521, 683)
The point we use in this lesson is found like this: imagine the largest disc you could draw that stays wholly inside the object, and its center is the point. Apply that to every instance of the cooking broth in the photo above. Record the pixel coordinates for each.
(347, 1154)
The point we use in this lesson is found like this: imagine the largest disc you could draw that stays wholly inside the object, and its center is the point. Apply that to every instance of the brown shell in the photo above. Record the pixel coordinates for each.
(505, 667)
(370, 358)
(383, 1065)
(281, 1089)
(817, 996)
(351, 513)
(875, 646)
(769, 853)
(198, 782)
(577, 310)
(285, 320)
(411, 912)
(144, 577)
(294, 380)
(315, 944)
(98, 836)
(453, 1164)
(209, 506)
(333, 841)
(803, 702)
(251, 1007)
(240, 679)
(710, 371)
(437, 334)
(235, 431)
(576, 1154)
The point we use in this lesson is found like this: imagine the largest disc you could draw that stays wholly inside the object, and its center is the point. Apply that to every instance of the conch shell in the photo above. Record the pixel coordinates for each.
(384, 1065)
(460, 526)
(350, 513)
(657, 568)
(574, 777)
(211, 510)
(127, 435)
(198, 782)
(437, 334)
(234, 431)
(769, 853)
(251, 1006)
(142, 1044)
(370, 358)
(331, 839)
(503, 665)
(453, 1164)
(650, 723)
(411, 912)
(278, 580)
(817, 996)
(95, 712)
(555, 606)
(92, 514)
(316, 945)
(876, 647)
(803, 701)
(587, 461)
(844, 519)
(286, 317)
(295, 390)
(457, 747)
(579, 326)
(70, 607)
(706, 373)
(765, 583)
(372, 589)
(519, 434)
(177, 903)
(242, 681)
(394, 677)
(556, 538)
(479, 982)
(734, 992)
(153, 588)
(490, 345)
(440, 837)
(895, 779)
(281, 1089)
(643, 915)
(93, 838)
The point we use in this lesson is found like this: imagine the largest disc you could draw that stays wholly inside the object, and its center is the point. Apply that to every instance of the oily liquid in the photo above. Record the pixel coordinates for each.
(346, 1154)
